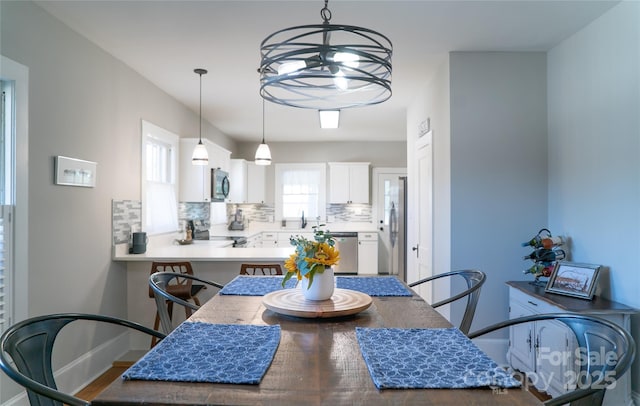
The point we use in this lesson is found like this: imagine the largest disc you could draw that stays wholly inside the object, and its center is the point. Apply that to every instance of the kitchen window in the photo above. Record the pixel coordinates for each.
(300, 188)
(159, 174)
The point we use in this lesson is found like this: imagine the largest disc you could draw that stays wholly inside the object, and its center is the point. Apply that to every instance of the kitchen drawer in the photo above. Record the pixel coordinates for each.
(368, 236)
(531, 303)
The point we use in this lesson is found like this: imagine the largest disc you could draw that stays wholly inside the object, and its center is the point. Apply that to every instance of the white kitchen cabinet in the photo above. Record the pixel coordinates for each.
(195, 181)
(247, 182)
(238, 181)
(255, 241)
(256, 178)
(545, 350)
(348, 182)
(368, 253)
(219, 157)
(284, 238)
(269, 239)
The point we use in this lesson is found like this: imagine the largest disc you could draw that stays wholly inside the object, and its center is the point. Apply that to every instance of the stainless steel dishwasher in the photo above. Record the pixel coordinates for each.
(347, 245)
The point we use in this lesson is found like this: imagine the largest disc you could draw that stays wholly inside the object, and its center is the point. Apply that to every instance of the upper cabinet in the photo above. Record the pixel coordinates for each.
(195, 181)
(247, 182)
(256, 179)
(348, 182)
(238, 181)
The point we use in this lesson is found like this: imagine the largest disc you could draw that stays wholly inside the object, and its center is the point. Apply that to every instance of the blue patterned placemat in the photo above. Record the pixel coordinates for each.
(428, 358)
(203, 352)
(373, 285)
(243, 285)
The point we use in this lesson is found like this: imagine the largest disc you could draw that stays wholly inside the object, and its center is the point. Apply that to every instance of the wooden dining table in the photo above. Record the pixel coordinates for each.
(318, 362)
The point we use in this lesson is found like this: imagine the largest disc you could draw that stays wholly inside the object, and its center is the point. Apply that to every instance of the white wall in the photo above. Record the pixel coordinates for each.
(498, 168)
(85, 104)
(594, 151)
(433, 103)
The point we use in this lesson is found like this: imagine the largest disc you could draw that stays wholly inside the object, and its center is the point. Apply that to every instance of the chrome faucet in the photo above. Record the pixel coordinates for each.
(303, 221)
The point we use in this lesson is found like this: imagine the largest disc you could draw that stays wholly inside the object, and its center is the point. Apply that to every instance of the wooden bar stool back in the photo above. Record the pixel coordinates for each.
(183, 288)
(260, 269)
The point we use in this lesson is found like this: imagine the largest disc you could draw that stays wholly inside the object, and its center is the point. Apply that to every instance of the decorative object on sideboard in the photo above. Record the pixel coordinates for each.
(75, 172)
(573, 279)
(546, 253)
(325, 66)
(200, 155)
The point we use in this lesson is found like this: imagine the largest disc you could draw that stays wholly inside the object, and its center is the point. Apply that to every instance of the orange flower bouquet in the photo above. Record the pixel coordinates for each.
(311, 256)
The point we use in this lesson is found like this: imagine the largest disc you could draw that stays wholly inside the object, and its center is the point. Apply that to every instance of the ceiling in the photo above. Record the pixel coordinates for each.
(165, 40)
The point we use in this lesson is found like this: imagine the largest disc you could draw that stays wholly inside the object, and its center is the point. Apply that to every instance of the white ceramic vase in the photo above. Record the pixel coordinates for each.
(322, 286)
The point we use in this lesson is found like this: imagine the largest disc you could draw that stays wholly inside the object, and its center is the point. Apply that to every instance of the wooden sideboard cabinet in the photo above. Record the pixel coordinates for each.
(545, 350)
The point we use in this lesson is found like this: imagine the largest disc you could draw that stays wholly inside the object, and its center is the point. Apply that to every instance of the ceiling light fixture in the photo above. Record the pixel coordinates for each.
(325, 66)
(200, 155)
(329, 118)
(263, 154)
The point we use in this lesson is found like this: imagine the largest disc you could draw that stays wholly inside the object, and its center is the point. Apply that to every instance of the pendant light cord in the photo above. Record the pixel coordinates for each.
(263, 120)
(200, 72)
(200, 108)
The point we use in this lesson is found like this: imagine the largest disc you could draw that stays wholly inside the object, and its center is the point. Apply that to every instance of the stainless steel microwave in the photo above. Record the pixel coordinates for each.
(219, 185)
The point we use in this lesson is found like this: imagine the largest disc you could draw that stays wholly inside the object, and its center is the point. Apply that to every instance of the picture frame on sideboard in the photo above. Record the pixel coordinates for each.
(574, 279)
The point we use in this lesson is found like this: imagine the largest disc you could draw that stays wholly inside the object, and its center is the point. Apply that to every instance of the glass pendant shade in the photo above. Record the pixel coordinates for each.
(263, 155)
(200, 155)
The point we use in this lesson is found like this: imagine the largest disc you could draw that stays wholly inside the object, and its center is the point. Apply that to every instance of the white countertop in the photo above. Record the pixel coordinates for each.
(201, 251)
(220, 230)
(165, 248)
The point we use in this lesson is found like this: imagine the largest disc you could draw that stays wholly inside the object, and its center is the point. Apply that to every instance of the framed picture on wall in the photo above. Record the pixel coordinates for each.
(74, 172)
(573, 279)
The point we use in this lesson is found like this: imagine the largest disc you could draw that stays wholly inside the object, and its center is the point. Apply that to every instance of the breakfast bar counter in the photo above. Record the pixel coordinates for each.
(213, 260)
(203, 251)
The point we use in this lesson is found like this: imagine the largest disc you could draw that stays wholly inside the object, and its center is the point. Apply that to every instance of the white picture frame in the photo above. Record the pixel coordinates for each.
(75, 172)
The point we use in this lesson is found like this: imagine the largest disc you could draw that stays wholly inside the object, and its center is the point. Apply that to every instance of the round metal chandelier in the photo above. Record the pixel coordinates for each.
(325, 66)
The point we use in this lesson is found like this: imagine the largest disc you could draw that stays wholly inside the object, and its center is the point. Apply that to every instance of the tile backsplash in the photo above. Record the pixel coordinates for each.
(335, 212)
(127, 215)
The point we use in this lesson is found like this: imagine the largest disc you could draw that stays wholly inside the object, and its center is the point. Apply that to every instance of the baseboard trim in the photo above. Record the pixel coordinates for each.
(83, 370)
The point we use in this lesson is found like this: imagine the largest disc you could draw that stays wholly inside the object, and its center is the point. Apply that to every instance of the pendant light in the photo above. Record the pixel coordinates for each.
(325, 66)
(200, 155)
(263, 154)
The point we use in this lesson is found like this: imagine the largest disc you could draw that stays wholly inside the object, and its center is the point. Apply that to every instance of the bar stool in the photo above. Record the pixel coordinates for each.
(183, 289)
(260, 269)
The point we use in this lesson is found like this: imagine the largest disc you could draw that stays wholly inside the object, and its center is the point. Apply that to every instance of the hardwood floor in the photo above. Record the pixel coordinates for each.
(97, 386)
(119, 366)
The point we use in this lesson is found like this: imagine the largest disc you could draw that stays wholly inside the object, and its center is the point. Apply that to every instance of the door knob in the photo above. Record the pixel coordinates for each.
(414, 248)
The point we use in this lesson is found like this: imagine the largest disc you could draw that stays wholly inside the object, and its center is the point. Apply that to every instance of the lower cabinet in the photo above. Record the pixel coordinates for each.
(269, 239)
(368, 253)
(546, 350)
(255, 241)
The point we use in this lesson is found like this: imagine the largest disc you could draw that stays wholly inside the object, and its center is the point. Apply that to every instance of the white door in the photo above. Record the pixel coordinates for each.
(386, 185)
(421, 250)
